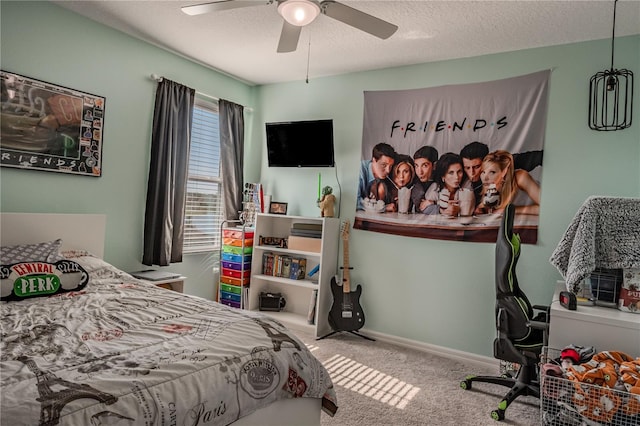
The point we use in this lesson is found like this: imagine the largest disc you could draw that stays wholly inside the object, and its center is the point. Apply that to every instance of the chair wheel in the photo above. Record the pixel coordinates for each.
(465, 384)
(497, 415)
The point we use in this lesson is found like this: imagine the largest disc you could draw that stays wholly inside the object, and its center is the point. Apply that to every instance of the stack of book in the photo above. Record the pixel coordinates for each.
(311, 230)
(305, 237)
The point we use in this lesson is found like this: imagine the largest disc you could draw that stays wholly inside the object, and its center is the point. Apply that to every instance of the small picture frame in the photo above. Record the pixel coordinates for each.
(277, 208)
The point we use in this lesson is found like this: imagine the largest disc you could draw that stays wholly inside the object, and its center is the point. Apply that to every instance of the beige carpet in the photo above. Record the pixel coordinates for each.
(382, 384)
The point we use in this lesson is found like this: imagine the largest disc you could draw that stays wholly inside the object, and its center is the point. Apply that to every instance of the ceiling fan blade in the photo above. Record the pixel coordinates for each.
(360, 20)
(215, 6)
(289, 37)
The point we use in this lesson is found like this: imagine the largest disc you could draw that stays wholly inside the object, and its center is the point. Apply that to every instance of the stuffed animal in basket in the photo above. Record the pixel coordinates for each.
(595, 395)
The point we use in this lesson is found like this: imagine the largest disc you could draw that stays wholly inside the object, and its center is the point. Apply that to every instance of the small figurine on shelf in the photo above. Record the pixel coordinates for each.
(327, 202)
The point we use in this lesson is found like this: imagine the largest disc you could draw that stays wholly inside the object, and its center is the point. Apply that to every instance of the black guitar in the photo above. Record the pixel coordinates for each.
(346, 313)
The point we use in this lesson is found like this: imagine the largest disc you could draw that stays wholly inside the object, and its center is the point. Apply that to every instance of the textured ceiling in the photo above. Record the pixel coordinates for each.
(242, 42)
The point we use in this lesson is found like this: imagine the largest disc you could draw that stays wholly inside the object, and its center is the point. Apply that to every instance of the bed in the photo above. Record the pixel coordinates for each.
(108, 348)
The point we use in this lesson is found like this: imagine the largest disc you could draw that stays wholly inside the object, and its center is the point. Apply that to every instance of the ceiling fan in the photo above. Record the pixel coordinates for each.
(298, 13)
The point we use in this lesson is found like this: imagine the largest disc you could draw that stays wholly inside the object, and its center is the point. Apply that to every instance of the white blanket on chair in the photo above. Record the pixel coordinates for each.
(605, 233)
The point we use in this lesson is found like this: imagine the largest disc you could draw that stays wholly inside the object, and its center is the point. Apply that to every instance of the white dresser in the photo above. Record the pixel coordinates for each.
(601, 327)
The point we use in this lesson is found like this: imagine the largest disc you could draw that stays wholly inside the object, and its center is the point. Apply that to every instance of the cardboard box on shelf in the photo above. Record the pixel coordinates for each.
(305, 244)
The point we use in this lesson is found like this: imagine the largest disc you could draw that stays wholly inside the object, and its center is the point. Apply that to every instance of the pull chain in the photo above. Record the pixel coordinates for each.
(613, 36)
(308, 57)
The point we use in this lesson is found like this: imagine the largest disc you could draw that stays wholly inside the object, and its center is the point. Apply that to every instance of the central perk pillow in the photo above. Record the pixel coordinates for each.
(34, 279)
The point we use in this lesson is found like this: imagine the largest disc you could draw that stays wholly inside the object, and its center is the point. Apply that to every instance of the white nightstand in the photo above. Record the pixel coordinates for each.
(174, 283)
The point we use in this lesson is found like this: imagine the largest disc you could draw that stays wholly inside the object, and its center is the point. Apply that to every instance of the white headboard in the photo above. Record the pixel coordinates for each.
(78, 231)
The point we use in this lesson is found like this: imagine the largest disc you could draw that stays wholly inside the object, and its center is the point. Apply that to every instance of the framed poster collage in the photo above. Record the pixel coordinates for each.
(50, 127)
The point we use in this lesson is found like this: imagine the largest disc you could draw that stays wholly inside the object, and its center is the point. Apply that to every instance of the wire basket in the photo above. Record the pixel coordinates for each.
(567, 403)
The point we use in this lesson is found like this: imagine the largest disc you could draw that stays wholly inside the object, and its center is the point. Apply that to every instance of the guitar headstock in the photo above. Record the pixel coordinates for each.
(344, 232)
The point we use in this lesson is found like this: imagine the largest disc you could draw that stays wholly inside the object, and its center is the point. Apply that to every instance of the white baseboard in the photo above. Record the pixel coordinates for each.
(480, 360)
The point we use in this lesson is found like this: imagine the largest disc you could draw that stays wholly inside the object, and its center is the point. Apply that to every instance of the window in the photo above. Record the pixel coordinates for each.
(204, 206)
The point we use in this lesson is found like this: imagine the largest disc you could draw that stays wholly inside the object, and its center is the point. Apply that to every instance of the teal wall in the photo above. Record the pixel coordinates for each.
(432, 291)
(442, 292)
(46, 42)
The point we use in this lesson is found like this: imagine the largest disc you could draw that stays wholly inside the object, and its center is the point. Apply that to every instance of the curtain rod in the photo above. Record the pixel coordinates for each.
(158, 78)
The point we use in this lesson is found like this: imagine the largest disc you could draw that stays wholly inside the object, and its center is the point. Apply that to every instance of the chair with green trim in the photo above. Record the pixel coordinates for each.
(520, 335)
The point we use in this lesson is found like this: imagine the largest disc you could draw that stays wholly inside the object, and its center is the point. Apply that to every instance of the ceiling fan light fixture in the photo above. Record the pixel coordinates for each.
(299, 12)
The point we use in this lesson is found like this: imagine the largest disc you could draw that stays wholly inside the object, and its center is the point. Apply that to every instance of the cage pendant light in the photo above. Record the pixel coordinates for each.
(611, 95)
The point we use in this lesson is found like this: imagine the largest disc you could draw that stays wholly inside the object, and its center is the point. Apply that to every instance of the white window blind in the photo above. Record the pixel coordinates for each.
(204, 206)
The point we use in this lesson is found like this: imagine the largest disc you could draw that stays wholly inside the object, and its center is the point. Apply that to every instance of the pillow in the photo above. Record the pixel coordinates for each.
(42, 252)
(71, 254)
(23, 280)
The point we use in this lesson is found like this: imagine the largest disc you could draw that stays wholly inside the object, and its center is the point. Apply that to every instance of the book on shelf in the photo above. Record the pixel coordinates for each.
(312, 307)
(303, 268)
(267, 263)
(286, 267)
(298, 268)
(295, 267)
(312, 230)
(277, 265)
(306, 233)
(308, 226)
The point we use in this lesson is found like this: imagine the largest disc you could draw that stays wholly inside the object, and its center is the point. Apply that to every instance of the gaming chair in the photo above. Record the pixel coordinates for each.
(520, 335)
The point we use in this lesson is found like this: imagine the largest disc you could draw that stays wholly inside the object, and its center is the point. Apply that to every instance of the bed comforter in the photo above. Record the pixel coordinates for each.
(122, 351)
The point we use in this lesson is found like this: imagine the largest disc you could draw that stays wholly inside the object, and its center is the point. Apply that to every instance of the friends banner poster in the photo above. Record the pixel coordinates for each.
(443, 162)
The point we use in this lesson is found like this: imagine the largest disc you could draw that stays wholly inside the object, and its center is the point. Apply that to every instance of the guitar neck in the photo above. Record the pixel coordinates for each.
(346, 286)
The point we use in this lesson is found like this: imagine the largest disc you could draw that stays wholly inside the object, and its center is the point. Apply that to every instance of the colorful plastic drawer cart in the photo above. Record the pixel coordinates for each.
(235, 262)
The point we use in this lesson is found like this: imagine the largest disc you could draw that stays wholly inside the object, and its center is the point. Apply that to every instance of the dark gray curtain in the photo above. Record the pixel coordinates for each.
(168, 172)
(232, 153)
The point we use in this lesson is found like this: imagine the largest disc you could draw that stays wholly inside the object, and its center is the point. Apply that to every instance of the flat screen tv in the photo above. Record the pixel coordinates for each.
(300, 143)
